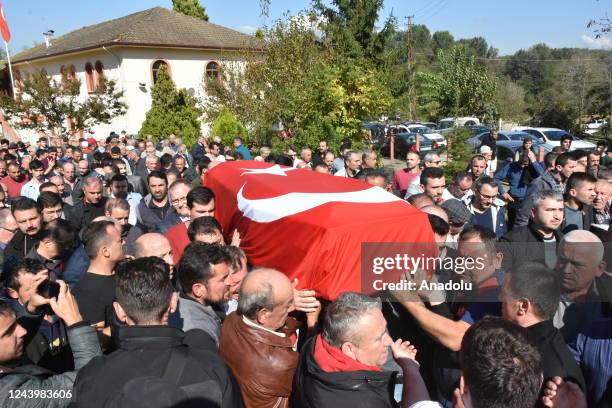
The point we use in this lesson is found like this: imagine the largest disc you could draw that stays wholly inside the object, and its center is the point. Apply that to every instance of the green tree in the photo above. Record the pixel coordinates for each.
(43, 103)
(442, 40)
(461, 88)
(510, 100)
(191, 8)
(227, 126)
(172, 111)
(459, 151)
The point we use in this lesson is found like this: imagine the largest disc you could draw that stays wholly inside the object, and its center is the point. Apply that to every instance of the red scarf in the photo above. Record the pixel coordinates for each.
(333, 360)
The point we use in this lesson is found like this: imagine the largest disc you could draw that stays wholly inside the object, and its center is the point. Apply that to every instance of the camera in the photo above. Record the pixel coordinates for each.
(48, 289)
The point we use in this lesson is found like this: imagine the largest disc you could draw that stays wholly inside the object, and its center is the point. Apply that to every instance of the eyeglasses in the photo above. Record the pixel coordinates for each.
(12, 231)
(179, 200)
(435, 162)
(493, 197)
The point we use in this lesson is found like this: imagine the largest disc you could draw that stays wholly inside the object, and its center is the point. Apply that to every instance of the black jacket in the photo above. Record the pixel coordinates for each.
(558, 361)
(525, 244)
(315, 388)
(83, 214)
(18, 247)
(145, 351)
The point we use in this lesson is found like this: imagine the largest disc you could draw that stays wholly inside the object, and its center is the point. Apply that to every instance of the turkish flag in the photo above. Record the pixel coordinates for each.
(309, 225)
(6, 34)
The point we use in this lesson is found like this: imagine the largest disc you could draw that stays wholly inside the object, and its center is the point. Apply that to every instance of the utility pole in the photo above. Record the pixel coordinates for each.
(411, 93)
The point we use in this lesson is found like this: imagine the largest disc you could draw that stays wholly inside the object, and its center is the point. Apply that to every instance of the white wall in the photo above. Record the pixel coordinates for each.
(131, 66)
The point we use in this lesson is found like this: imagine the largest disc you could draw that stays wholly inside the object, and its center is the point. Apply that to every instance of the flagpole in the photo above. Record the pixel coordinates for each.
(8, 58)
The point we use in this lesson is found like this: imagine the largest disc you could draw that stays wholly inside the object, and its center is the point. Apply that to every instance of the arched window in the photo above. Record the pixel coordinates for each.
(89, 78)
(213, 71)
(99, 74)
(155, 69)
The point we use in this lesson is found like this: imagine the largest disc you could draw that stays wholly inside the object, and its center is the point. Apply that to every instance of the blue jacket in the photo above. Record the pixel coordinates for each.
(515, 175)
(246, 155)
(497, 211)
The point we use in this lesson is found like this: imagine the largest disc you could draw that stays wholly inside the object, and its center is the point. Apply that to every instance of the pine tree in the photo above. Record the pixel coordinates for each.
(227, 126)
(191, 8)
(172, 111)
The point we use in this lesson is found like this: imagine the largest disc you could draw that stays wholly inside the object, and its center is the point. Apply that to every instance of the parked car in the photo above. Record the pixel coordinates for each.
(476, 141)
(552, 136)
(455, 122)
(506, 151)
(378, 133)
(426, 132)
(431, 125)
(406, 141)
(594, 126)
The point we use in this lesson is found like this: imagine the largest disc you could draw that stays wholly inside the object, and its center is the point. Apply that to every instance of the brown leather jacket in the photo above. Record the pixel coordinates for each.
(262, 362)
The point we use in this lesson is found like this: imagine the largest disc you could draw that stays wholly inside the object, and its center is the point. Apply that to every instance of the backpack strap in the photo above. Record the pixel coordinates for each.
(176, 365)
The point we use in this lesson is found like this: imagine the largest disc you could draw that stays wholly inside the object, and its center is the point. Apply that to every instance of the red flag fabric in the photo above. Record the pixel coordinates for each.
(310, 225)
(6, 34)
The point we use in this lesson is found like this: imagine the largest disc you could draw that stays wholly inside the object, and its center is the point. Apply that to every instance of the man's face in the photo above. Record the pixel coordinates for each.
(549, 214)
(179, 200)
(69, 172)
(566, 144)
(475, 249)
(121, 216)
(158, 188)
(486, 196)
(180, 164)
(283, 305)
(578, 266)
(322, 146)
(77, 155)
(28, 221)
(370, 161)
(11, 337)
(478, 167)
(59, 183)
(374, 340)
(307, 156)
(585, 192)
(433, 162)
(236, 277)
(581, 164)
(38, 174)
(465, 185)
(602, 194)
(217, 287)
(527, 144)
(122, 169)
(412, 161)
(14, 173)
(213, 238)
(119, 188)
(493, 134)
(2, 168)
(83, 168)
(434, 188)
(328, 160)
(93, 193)
(52, 213)
(202, 210)
(593, 161)
(354, 162)
(567, 170)
(152, 163)
(115, 246)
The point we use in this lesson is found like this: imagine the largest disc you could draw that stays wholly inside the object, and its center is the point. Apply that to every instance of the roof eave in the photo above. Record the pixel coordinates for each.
(131, 44)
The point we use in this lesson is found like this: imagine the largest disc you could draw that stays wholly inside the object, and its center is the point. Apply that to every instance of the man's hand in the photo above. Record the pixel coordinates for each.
(65, 306)
(563, 394)
(34, 299)
(458, 399)
(508, 197)
(403, 350)
(305, 300)
(236, 238)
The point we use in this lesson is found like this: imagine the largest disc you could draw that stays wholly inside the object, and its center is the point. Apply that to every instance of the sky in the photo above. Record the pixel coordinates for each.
(508, 25)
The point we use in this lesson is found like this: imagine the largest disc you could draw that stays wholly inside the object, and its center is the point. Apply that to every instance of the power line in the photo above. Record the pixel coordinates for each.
(441, 7)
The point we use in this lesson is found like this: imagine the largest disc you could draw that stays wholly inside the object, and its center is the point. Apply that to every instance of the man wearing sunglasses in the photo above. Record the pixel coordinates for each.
(484, 207)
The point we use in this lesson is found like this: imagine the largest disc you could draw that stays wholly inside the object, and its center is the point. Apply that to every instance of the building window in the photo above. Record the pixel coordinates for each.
(213, 71)
(89, 78)
(99, 74)
(155, 69)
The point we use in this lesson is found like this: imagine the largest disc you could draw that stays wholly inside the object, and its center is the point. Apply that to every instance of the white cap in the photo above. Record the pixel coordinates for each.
(485, 149)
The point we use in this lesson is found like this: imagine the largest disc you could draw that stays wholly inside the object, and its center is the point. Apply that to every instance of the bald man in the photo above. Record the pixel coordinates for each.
(262, 331)
(154, 244)
(579, 263)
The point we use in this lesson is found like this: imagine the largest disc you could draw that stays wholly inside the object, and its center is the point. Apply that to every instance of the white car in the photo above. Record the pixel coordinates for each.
(427, 133)
(552, 136)
(594, 126)
(453, 122)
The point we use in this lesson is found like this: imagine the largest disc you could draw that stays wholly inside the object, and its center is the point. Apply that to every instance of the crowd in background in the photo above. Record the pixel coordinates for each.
(121, 288)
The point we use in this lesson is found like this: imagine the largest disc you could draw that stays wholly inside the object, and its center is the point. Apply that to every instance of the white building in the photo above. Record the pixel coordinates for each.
(129, 50)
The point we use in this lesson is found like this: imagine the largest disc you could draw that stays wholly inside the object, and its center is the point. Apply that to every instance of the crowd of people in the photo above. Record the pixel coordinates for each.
(121, 288)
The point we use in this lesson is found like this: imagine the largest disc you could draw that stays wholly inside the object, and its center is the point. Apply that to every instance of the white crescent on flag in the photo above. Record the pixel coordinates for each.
(274, 208)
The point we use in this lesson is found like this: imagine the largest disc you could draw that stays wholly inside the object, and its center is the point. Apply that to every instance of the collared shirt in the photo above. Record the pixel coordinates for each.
(31, 189)
(249, 322)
